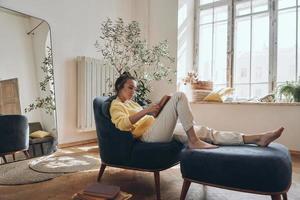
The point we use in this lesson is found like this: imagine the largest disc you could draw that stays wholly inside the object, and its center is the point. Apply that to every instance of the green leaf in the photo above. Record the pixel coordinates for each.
(123, 49)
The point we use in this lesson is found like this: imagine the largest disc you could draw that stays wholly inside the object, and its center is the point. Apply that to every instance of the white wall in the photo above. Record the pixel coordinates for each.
(252, 119)
(185, 39)
(17, 59)
(161, 17)
(75, 26)
(141, 13)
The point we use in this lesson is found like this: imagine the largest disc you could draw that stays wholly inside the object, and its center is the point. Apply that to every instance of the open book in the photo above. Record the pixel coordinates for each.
(164, 100)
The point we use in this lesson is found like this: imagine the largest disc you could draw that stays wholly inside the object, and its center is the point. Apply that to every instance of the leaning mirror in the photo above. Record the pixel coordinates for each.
(27, 78)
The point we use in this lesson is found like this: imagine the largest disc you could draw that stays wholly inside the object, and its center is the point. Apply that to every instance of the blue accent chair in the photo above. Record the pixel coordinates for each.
(248, 168)
(120, 149)
(14, 135)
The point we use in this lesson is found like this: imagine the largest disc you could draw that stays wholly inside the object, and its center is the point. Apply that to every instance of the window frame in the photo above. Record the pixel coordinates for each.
(273, 38)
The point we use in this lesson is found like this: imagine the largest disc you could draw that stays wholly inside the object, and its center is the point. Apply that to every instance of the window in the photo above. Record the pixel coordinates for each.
(251, 45)
(288, 34)
(212, 41)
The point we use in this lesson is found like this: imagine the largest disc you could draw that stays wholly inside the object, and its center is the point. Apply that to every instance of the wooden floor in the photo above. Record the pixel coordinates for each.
(139, 184)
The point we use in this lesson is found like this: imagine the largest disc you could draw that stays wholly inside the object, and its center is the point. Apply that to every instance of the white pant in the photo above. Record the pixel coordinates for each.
(165, 125)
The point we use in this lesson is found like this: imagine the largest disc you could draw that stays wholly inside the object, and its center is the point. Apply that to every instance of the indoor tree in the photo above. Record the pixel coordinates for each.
(123, 49)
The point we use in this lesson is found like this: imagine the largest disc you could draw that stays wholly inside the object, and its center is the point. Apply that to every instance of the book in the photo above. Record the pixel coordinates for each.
(102, 190)
(163, 101)
(81, 196)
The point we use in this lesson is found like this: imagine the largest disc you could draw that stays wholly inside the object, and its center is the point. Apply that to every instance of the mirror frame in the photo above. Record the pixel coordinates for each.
(55, 142)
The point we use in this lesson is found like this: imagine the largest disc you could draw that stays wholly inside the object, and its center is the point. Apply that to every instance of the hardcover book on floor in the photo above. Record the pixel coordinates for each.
(102, 190)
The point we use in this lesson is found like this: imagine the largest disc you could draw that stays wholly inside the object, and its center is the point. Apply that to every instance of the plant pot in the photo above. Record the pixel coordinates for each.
(297, 94)
(202, 85)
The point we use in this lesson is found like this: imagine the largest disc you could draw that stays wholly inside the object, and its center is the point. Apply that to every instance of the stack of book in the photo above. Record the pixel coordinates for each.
(200, 89)
(199, 95)
(99, 191)
(202, 85)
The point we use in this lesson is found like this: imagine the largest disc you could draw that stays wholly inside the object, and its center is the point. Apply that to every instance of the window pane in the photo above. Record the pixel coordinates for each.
(260, 48)
(242, 51)
(286, 3)
(220, 13)
(203, 2)
(243, 8)
(206, 16)
(205, 52)
(286, 56)
(220, 55)
(259, 6)
(241, 91)
(259, 90)
(218, 87)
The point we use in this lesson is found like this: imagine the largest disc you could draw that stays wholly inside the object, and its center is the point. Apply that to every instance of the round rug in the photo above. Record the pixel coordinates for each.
(19, 173)
(65, 164)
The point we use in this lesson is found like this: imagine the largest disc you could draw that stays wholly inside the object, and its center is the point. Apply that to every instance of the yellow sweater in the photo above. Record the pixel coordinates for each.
(120, 113)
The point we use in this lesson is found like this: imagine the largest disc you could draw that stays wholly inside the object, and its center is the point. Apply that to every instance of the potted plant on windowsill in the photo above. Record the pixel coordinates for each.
(290, 90)
(122, 48)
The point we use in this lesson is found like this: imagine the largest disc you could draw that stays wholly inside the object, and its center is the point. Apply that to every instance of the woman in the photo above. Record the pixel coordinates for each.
(127, 115)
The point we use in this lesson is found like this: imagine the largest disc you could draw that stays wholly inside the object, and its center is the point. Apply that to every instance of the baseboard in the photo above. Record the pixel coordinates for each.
(71, 144)
(295, 153)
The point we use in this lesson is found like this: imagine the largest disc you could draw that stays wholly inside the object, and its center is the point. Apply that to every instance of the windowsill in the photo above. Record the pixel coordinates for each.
(249, 103)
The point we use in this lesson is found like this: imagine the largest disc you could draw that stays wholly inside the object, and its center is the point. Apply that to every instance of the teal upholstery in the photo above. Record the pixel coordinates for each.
(120, 148)
(264, 170)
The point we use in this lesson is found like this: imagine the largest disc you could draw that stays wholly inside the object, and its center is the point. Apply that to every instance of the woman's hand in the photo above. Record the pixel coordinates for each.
(152, 109)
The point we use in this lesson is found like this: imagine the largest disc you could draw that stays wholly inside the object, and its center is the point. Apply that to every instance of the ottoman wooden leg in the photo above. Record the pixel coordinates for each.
(185, 188)
(157, 184)
(276, 197)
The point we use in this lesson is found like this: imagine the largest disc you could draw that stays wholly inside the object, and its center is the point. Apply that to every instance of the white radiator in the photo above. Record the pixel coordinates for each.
(92, 80)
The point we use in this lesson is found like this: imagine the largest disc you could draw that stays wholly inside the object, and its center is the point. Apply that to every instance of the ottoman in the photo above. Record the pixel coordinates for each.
(247, 168)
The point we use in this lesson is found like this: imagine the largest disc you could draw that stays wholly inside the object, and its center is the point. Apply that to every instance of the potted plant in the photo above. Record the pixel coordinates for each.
(290, 90)
(122, 48)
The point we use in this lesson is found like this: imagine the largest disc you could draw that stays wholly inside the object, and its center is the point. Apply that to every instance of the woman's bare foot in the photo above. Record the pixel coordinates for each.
(199, 144)
(269, 137)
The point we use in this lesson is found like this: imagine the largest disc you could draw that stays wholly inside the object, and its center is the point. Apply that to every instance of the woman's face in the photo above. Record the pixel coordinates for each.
(128, 91)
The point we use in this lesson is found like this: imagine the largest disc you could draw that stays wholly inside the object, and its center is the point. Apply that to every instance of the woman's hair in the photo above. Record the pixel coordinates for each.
(119, 84)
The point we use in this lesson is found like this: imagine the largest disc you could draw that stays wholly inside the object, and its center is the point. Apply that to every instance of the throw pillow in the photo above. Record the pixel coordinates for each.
(39, 134)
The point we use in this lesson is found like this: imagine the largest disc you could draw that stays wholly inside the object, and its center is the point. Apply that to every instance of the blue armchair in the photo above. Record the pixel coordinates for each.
(120, 149)
(14, 135)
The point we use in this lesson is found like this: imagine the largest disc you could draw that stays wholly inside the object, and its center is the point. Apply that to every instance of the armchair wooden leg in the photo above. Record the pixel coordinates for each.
(14, 156)
(26, 154)
(157, 184)
(284, 196)
(185, 187)
(4, 159)
(276, 197)
(101, 171)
